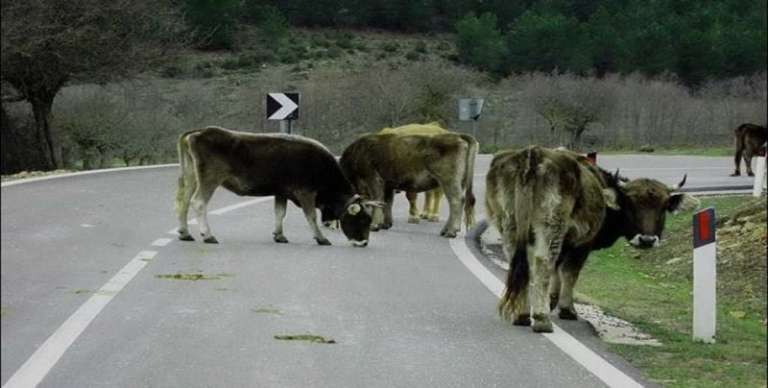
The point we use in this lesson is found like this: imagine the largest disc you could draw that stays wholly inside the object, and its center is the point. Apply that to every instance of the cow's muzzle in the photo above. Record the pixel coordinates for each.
(359, 244)
(644, 241)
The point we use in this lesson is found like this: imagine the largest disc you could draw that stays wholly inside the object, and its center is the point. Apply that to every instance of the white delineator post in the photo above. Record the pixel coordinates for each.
(760, 177)
(704, 276)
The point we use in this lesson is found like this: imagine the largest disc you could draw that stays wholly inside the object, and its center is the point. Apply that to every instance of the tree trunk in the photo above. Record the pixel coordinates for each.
(41, 108)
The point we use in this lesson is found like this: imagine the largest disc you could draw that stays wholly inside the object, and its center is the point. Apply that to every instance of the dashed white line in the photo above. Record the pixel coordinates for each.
(161, 242)
(590, 360)
(45, 357)
(34, 370)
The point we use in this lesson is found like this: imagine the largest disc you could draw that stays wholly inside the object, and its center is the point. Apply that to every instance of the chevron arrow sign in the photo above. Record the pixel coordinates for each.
(283, 106)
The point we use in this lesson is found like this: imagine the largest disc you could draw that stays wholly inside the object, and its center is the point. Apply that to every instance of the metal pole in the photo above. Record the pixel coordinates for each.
(474, 129)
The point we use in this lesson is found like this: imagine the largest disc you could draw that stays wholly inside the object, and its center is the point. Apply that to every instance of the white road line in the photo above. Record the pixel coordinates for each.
(161, 242)
(45, 357)
(590, 360)
(34, 370)
(226, 209)
(89, 172)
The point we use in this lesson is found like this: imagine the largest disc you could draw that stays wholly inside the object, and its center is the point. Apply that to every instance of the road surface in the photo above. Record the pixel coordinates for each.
(83, 260)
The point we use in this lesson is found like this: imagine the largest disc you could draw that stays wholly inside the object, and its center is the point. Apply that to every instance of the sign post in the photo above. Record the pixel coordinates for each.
(470, 109)
(283, 107)
(704, 276)
(760, 173)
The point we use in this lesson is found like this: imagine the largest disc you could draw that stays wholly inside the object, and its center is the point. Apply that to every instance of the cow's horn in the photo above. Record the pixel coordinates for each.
(679, 185)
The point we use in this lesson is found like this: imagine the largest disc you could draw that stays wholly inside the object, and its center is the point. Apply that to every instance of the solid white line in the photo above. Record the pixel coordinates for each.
(229, 208)
(161, 242)
(89, 172)
(590, 360)
(48, 354)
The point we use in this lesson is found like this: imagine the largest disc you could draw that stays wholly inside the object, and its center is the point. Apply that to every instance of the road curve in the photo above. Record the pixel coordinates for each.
(403, 312)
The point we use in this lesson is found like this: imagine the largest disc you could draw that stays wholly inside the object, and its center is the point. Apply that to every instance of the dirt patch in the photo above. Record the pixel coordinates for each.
(266, 310)
(188, 276)
(306, 337)
(613, 330)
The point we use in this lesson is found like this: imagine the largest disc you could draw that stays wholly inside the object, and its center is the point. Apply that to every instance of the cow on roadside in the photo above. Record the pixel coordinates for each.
(289, 167)
(749, 138)
(553, 208)
(379, 164)
(431, 209)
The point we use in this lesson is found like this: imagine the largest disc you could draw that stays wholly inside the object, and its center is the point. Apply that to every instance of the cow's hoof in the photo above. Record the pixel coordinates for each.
(522, 320)
(386, 226)
(413, 219)
(424, 216)
(210, 240)
(375, 228)
(448, 233)
(736, 174)
(541, 324)
(279, 238)
(433, 219)
(186, 237)
(750, 174)
(568, 314)
(322, 241)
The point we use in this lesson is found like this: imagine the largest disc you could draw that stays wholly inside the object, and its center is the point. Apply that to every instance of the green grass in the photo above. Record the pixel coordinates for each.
(641, 287)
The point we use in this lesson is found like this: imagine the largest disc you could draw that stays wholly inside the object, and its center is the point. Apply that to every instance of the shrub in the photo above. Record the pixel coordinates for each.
(214, 22)
(412, 56)
(480, 43)
(421, 47)
(390, 47)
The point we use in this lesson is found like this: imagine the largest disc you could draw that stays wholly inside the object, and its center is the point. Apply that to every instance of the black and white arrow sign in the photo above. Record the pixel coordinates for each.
(282, 106)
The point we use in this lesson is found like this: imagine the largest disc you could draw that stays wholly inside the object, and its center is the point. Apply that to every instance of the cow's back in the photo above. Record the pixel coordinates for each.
(265, 164)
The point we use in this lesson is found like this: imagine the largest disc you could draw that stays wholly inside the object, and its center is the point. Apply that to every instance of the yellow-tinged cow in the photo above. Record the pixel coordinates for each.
(431, 208)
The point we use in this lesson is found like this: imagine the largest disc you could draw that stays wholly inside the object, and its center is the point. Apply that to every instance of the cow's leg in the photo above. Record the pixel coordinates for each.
(376, 191)
(455, 197)
(554, 289)
(187, 187)
(413, 208)
(424, 214)
(389, 200)
(307, 201)
(200, 199)
(548, 242)
(748, 161)
(281, 205)
(568, 271)
(737, 155)
(434, 204)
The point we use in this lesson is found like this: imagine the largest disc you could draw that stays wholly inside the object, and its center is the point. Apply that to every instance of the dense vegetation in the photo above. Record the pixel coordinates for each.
(618, 74)
(695, 40)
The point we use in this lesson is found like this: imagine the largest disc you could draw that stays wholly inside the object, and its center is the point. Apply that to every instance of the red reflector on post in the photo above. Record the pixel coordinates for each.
(704, 227)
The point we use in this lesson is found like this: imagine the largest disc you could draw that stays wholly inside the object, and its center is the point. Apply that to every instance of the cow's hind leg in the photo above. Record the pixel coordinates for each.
(455, 197)
(548, 242)
(200, 199)
(389, 200)
(307, 201)
(569, 274)
(187, 186)
(748, 161)
(413, 208)
(281, 204)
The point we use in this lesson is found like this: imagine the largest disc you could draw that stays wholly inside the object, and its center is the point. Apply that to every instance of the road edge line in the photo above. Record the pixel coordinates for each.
(79, 173)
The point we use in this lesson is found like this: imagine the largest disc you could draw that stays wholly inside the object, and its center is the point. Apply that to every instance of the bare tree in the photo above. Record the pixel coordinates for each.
(49, 43)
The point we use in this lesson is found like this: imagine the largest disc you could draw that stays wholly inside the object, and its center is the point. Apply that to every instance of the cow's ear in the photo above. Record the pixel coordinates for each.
(682, 202)
(609, 196)
(353, 209)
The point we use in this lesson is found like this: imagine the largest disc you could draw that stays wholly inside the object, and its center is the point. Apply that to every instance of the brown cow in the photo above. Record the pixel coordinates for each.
(553, 208)
(749, 138)
(289, 167)
(379, 164)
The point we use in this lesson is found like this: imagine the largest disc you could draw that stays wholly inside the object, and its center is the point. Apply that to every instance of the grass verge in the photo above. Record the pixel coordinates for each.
(653, 289)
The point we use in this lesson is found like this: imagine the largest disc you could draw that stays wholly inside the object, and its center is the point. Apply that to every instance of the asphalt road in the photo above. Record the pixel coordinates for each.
(403, 312)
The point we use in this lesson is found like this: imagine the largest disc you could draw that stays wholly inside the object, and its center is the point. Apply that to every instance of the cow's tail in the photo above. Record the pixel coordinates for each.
(518, 275)
(185, 163)
(469, 175)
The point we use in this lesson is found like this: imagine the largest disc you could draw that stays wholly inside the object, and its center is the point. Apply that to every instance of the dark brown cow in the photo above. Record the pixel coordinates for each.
(379, 164)
(553, 208)
(289, 167)
(749, 138)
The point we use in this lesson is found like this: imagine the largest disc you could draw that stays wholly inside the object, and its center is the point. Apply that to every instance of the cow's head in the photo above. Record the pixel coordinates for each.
(644, 204)
(356, 218)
